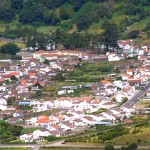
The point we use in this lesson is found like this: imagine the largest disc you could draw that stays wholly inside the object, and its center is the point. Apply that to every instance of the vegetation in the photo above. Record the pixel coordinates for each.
(46, 62)
(99, 111)
(67, 13)
(72, 148)
(16, 148)
(8, 56)
(124, 19)
(110, 34)
(51, 138)
(8, 132)
(111, 134)
(109, 147)
(125, 99)
(100, 136)
(9, 48)
(84, 73)
(11, 100)
(28, 130)
(138, 132)
(59, 76)
(13, 78)
(131, 146)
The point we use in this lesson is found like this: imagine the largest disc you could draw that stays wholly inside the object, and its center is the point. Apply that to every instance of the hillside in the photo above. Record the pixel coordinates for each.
(70, 15)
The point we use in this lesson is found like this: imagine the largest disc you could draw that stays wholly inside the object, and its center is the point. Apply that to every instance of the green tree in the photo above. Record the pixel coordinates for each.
(11, 100)
(8, 132)
(132, 146)
(110, 34)
(9, 48)
(59, 76)
(125, 99)
(38, 93)
(36, 11)
(17, 4)
(6, 11)
(109, 147)
(15, 130)
(133, 34)
(46, 61)
(13, 78)
(147, 27)
(66, 11)
(37, 84)
(51, 138)
(83, 23)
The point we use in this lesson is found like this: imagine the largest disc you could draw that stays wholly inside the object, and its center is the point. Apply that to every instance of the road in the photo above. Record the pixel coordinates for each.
(70, 145)
(136, 96)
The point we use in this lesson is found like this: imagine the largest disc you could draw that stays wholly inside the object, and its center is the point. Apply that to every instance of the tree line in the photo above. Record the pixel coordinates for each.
(63, 40)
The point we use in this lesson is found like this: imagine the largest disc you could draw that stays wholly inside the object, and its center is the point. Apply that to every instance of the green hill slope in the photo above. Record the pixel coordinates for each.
(70, 15)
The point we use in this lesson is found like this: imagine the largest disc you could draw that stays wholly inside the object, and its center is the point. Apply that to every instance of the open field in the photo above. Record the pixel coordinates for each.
(21, 45)
(95, 27)
(47, 29)
(140, 25)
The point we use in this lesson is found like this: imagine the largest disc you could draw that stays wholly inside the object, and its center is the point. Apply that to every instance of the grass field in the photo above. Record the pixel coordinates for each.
(21, 45)
(2, 27)
(95, 27)
(141, 24)
(47, 29)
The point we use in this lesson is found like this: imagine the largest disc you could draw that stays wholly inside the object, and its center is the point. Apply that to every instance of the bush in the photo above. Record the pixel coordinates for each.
(9, 48)
(51, 138)
(139, 140)
(109, 147)
(133, 34)
(59, 76)
(111, 134)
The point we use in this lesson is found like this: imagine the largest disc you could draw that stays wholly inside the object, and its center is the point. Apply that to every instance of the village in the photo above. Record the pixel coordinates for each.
(73, 106)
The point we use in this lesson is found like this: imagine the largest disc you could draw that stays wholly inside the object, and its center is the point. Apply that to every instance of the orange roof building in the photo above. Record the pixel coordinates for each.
(106, 82)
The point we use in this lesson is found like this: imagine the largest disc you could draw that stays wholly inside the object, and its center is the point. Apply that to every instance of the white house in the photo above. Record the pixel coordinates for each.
(113, 56)
(27, 137)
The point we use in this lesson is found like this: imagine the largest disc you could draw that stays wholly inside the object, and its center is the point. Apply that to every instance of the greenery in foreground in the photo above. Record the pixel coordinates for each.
(107, 147)
(8, 132)
(136, 132)
(16, 148)
(72, 148)
(100, 137)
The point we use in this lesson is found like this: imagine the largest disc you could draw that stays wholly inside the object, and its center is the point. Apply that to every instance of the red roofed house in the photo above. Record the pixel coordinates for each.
(44, 121)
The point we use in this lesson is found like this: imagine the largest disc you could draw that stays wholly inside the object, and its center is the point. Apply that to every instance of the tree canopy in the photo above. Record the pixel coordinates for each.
(9, 48)
(109, 147)
(110, 34)
(8, 132)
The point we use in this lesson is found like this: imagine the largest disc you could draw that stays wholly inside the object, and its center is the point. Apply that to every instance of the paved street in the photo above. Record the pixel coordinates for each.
(137, 95)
